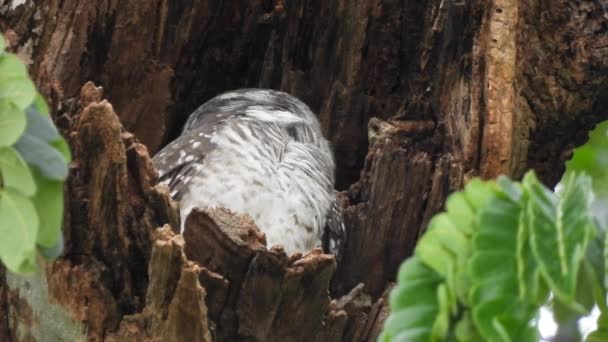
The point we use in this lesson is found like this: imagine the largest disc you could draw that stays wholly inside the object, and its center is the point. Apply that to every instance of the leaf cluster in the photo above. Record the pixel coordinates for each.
(501, 250)
(34, 161)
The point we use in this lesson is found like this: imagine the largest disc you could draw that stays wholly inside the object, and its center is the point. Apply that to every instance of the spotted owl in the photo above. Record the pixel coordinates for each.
(258, 152)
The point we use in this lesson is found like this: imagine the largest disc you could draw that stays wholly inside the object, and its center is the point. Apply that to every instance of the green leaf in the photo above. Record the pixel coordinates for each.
(460, 212)
(512, 190)
(54, 251)
(434, 247)
(15, 84)
(46, 158)
(498, 312)
(40, 125)
(15, 172)
(592, 158)
(465, 331)
(12, 122)
(18, 228)
(40, 105)
(62, 147)
(49, 205)
(446, 246)
(560, 232)
(478, 193)
(504, 320)
(441, 326)
(565, 316)
(601, 333)
(532, 288)
(42, 146)
(414, 304)
(590, 289)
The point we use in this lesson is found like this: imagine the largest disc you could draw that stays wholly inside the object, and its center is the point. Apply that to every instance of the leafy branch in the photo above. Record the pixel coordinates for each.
(33, 167)
(501, 250)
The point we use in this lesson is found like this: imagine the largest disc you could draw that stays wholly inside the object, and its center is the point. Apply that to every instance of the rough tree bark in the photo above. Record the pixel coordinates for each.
(416, 96)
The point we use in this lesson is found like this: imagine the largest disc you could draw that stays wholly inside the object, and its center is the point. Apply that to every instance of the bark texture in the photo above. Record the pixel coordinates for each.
(416, 96)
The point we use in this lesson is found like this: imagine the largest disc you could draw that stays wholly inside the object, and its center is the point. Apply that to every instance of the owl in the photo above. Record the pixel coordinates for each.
(259, 152)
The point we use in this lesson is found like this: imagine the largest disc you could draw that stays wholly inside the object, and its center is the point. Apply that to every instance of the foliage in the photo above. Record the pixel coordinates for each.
(501, 250)
(33, 167)
(592, 158)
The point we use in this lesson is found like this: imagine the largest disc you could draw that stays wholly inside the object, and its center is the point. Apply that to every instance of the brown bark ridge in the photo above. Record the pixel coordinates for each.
(416, 97)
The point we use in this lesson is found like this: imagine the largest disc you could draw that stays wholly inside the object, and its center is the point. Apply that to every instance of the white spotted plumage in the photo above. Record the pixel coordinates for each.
(259, 152)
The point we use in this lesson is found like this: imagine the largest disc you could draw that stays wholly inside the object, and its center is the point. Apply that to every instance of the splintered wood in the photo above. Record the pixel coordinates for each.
(260, 293)
(175, 309)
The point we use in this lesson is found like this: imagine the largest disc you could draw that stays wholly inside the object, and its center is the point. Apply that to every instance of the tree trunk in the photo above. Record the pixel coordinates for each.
(417, 97)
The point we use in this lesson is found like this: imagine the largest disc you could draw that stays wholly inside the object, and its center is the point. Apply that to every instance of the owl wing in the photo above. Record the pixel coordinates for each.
(183, 157)
(333, 237)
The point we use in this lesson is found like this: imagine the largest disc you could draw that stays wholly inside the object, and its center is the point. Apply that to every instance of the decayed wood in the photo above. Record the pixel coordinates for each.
(382, 214)
(459, 89)
(175, 308)
(493, 88)
(121, 278)
(4, 329)
(269, 296)
(561, 75)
